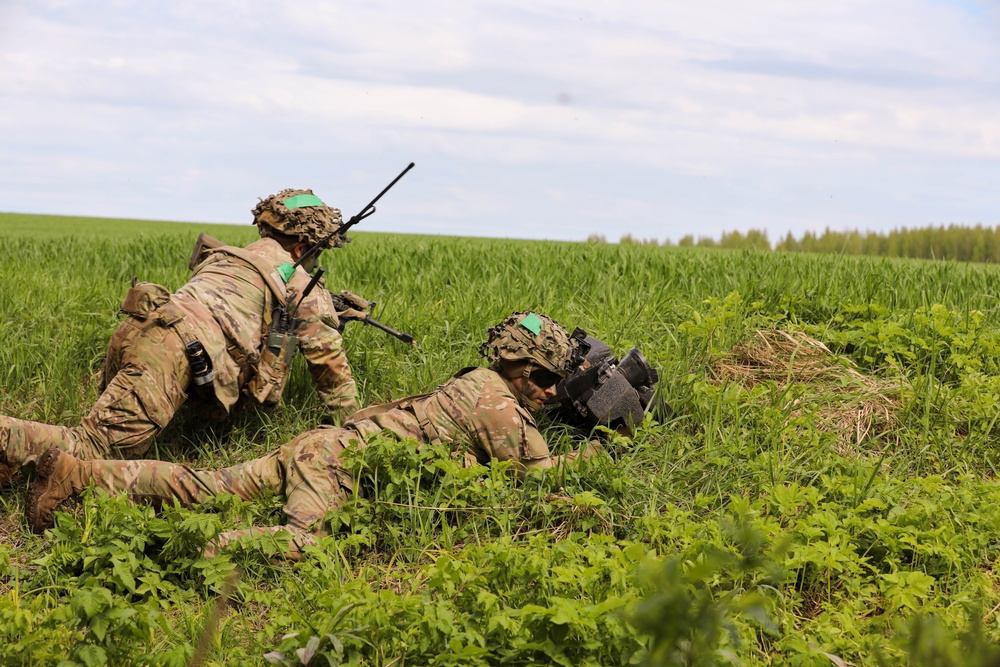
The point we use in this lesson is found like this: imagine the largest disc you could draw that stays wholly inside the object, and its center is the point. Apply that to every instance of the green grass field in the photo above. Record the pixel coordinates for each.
(806, 509)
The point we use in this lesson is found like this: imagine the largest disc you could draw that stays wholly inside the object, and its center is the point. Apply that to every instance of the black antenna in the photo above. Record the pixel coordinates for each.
(309, 288)
(355, 219)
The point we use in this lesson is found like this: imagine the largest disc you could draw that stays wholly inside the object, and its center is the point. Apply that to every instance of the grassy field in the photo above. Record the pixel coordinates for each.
(804, 505)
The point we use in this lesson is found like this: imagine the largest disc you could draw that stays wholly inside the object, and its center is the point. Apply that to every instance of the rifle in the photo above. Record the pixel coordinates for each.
(351, 307)
(355, 219)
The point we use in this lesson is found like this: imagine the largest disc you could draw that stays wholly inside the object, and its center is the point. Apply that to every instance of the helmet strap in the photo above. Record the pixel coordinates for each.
(525, 402)
(513, 369)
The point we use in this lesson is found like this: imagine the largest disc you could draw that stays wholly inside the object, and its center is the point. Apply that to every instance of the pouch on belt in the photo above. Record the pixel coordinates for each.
(268, 383)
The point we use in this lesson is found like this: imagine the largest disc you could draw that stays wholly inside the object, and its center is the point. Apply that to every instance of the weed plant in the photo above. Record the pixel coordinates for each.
(738, 531)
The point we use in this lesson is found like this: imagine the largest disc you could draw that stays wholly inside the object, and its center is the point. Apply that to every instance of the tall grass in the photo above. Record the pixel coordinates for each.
(900, 525)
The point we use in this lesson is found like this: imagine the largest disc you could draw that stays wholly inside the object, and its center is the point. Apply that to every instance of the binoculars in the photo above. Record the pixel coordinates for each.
(606, 391)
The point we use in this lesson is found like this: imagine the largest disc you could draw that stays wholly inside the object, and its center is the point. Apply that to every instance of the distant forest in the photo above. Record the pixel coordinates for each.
(955, 242)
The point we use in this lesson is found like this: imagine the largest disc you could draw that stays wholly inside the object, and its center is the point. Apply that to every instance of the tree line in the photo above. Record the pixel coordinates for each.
(955, 242)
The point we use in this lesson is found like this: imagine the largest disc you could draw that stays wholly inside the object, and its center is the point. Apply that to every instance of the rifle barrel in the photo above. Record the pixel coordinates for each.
(405, 337)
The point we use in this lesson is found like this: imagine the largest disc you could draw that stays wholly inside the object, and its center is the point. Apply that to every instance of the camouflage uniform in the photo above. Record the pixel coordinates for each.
(475, 412)
(146, 373)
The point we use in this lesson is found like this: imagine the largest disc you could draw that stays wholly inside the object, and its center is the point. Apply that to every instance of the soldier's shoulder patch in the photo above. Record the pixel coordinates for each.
(286, 271)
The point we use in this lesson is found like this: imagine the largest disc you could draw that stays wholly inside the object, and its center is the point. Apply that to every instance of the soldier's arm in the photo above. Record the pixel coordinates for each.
(323, 348)
(549, 461)
(505, 431)
(590, 449)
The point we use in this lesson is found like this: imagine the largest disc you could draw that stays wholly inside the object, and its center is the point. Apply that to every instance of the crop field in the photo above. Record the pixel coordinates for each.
(823, 493)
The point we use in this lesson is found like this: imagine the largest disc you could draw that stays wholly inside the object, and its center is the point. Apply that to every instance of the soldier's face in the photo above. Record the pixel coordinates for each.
(536, 396)
(310, 264)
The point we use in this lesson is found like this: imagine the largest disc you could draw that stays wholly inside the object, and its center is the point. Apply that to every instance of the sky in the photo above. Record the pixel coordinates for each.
(542, 119)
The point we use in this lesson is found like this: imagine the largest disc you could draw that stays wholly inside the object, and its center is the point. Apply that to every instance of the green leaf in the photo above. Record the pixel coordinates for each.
(92, 656)
(123, 576)
(91, 601)
(99, 626)
(306, 653)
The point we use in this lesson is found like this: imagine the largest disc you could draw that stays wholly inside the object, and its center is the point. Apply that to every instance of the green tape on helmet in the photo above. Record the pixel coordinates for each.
(302, 201)
(525, 336)
(532, 323)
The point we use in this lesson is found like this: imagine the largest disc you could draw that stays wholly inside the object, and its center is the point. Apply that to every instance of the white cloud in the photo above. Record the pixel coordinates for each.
(566, 111)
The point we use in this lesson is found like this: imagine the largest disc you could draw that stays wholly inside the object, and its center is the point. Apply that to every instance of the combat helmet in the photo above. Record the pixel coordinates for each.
(301, 214)
(537, 339)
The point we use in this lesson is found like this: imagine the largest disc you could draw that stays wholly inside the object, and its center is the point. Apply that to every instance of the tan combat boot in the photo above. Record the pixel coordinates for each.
(58, 476)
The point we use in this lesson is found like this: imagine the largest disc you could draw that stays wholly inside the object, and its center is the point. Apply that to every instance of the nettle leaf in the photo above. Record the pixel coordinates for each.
(89, 602)
(636, 551)
(907, 589)
(122, 575)
(502, 620)
(205, 526)
(564, 614)
(99, 627)
(588, 499)
(486, 600)
(92, 656)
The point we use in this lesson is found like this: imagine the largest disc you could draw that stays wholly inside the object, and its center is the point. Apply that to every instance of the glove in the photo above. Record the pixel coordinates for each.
(350, 306)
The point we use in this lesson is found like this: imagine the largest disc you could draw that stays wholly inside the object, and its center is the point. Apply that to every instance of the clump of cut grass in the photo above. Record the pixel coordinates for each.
(834, 394)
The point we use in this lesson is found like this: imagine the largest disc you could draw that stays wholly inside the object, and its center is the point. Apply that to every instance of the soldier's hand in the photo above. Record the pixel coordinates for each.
(353, 307)
(352, 314)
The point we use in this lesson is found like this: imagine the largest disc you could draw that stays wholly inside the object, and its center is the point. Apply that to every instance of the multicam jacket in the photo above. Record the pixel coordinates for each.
(475, 412)
(228, 303)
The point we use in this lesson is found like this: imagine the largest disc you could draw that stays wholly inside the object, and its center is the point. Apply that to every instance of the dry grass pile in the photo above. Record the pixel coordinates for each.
(829, 389)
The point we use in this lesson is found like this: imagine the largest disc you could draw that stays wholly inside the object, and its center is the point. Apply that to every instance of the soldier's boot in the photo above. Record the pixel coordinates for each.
(22, 442)
(58, 476)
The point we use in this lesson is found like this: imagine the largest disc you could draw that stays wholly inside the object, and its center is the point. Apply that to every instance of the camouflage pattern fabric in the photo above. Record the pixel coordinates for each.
(226, 301)
(527, 336)
(309, 223)
(146, 371)
(307, 471)
(475, 412)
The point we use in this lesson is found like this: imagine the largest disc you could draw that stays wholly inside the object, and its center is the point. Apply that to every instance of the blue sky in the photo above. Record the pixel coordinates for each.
(526, 119)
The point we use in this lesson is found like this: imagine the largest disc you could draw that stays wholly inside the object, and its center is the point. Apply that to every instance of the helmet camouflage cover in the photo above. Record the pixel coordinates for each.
(527, 336)
(299, 213)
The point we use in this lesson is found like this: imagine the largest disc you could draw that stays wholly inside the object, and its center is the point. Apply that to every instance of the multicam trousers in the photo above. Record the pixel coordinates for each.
(145, 373)
(307, 471)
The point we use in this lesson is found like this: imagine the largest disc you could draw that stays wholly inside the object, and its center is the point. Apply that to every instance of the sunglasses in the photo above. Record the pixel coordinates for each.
(543, 378)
